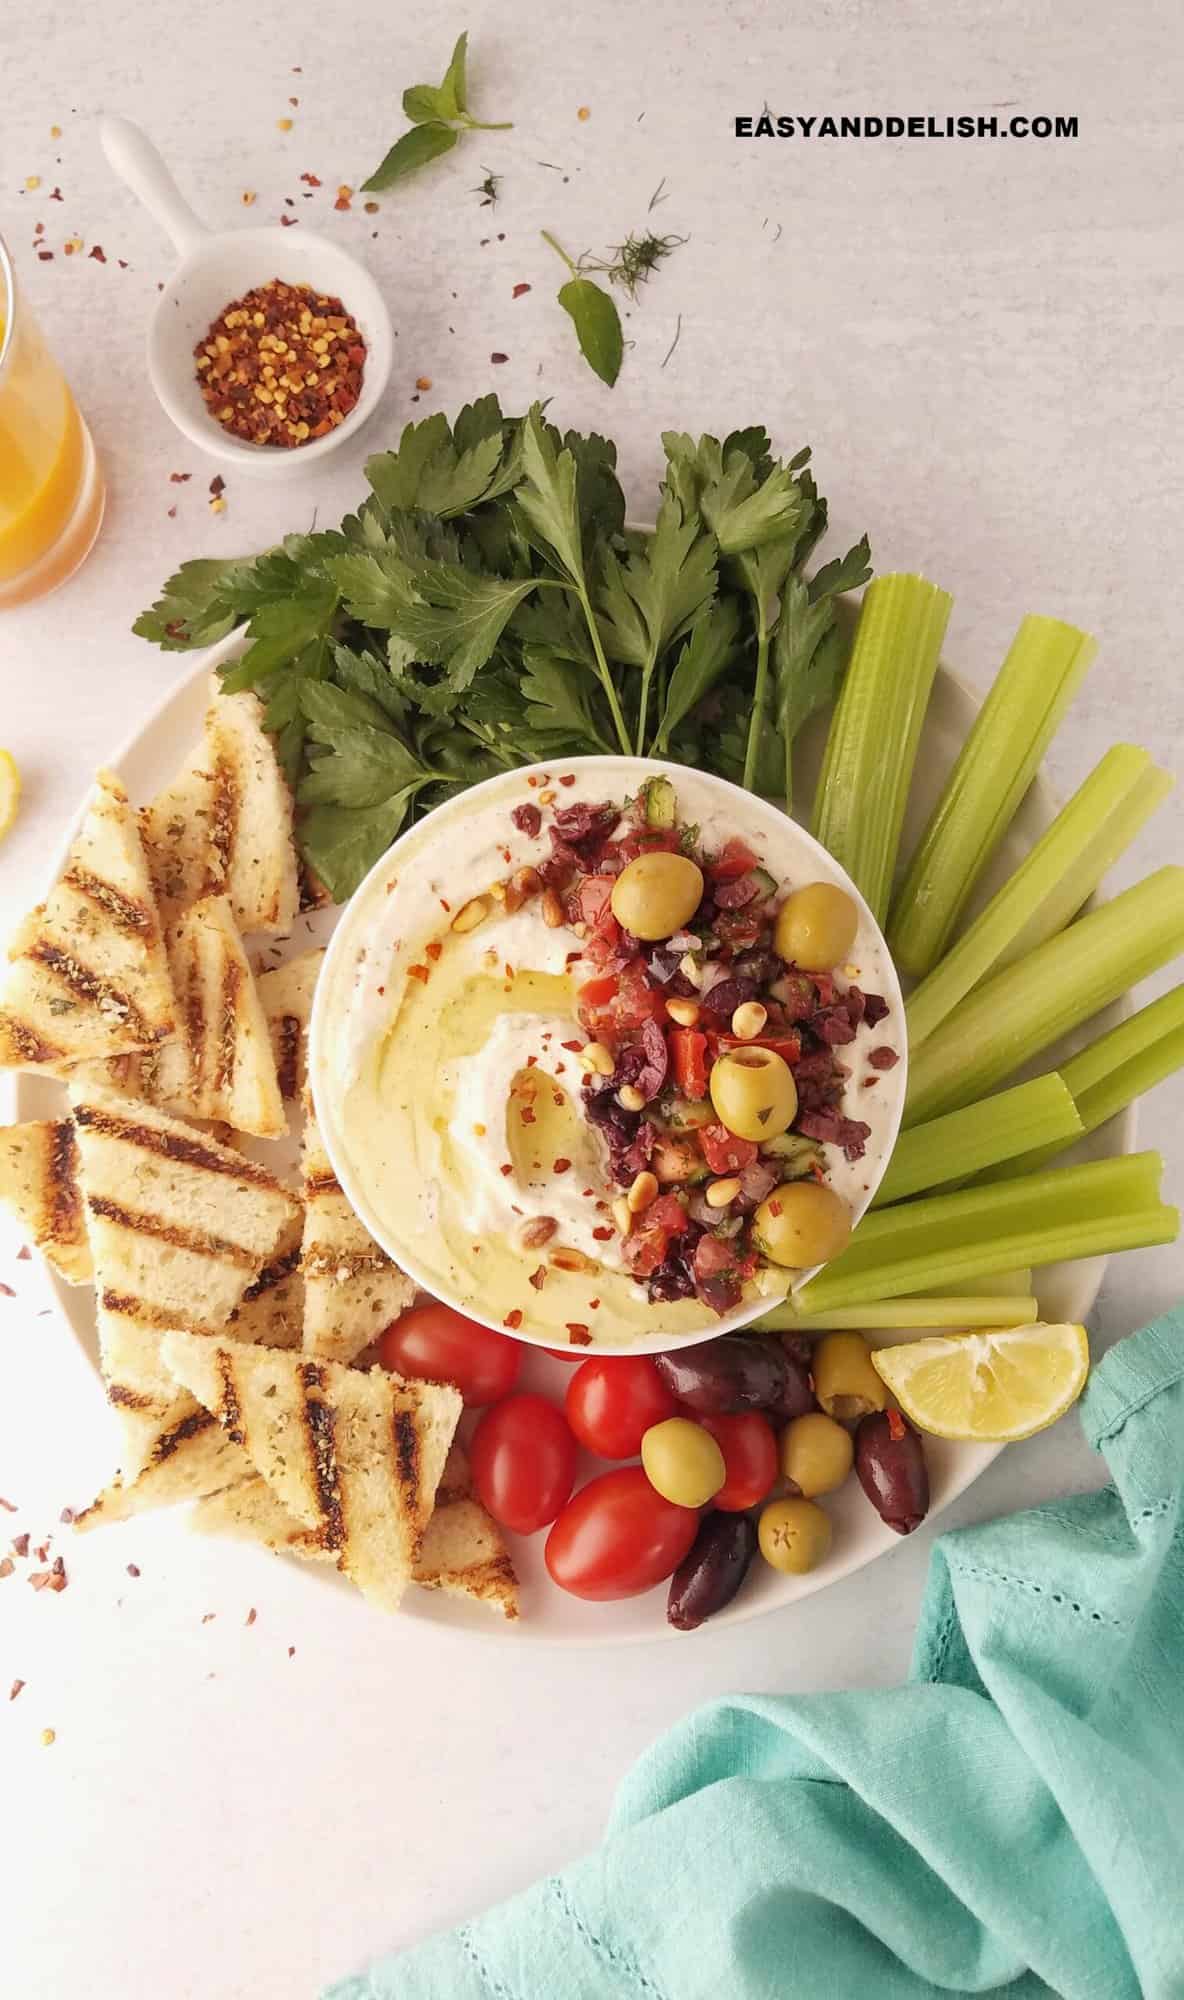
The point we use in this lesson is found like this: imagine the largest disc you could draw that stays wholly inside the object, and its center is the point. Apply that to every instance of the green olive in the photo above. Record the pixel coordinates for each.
(682, 1462)
(845, 1382)
(816, 927)
(801, 1223)
(794, 1535)
(753, 1092)
(816, 1454)
(656, 894)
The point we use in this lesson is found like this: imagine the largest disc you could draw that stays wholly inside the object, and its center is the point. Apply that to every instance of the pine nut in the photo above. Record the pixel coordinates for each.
(498, 891)
(720, 1193)
(622, 1215)
(566, 1259)
(598, 1060)
(473, 913)
(630, 1098)
(685, 1012)
(538, 1232)
(512, 897)
(749, 1019)
(552, 910)
(643, 1191)
(527, 881)
(547, 797)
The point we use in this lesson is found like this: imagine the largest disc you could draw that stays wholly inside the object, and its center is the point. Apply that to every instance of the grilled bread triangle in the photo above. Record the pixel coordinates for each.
(286, 994)
(352, 1290)
(39, 1184)
(355, 1456)
(271, 1310)
(192, 1458)
(463, 1552)
(89, 975)
(179, 1227)
(220, 1066)
(224, 826)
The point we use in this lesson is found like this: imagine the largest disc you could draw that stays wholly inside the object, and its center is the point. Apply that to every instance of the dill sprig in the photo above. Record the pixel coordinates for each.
(488, 188)
(632, 263)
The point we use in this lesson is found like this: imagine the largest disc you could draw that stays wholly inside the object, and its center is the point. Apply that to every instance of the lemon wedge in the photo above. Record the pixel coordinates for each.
(990, 1386)
(10, 790)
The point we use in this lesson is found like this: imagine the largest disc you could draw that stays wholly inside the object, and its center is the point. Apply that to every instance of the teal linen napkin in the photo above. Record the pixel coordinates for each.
(1010, 1821)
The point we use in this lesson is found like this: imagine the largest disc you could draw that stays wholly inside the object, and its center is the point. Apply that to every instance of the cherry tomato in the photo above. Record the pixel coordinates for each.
(572, 1355)
(523, 1458)
(436, 1344)
(616, 1537)
(612, 1400)
(749, 1445)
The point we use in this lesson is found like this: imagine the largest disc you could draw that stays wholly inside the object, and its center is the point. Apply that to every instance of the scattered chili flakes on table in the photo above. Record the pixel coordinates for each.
(14, 1690)
(281, 365)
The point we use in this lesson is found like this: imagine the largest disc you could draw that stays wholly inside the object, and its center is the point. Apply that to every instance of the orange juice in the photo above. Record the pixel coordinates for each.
(51, 491)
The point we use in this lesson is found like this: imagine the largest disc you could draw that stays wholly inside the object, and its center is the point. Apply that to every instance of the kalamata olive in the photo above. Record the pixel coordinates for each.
(738, 1371)
(709, 1577)
(890, 1462)
(797, 1398)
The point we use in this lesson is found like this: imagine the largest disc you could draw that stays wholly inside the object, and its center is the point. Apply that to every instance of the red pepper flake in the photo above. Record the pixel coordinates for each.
(883, 1058)
(531, 1061)
(446, 907)
(6, 1565)
(66, 1516)
(98, 253)
(572, 957)
(497, 359)
(312, 180)
(45, 256)
(6, 1292)
(433, 950)
(593, 1304)
(40, 1578)
(869, 1082)
(289, 221)
(507, 1169)
(172, 513)
(291, 1652)
(123, 263)
(568, 778)
(344, 197)
(557, 1101)
(208, 1616)
(56, 194)
(513, 1318)
(251, 1616)
(774, 1208)
(508, 969)
(527, 1115)
(896, 1426)
(42, 1553)
(179, 478)
(419, 972)
(133, 1569)
(532, 780)
(15, 1689)
(20, 1545)
(371, 207)
(560, 1068)
(579, 1334)
(217, 485)
(574, 1047)
(538, 1278)
(294, 101)
(561, 1166)
(9, 1506)
(519, 290)
(23, 1254)
(604, 1235)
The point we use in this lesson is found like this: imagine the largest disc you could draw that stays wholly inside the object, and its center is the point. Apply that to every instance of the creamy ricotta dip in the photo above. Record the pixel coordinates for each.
(447, 1072)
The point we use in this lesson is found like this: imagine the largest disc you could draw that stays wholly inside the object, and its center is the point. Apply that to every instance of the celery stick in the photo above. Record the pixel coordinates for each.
(1004, 1285)
(1052, 882)
(1113, 1071)
(1019, 1011)
(962, 1143)
(978, 1214)
(1093, 1236)
(958, 1310)
(875, 730)
(1043, 670)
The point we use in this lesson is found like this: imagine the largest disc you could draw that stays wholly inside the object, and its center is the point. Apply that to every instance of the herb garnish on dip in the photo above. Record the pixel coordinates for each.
(609, 1067)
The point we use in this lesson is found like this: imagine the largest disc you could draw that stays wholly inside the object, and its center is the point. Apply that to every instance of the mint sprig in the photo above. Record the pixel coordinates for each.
(439, 113)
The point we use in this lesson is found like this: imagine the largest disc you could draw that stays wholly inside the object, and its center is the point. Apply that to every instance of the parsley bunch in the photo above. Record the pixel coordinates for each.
(487, 607)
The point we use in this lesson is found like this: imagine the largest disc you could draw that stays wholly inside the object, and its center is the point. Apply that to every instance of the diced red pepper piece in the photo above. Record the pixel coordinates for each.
(688, 1049)
(735, 859)
(724, 1152)
(787, 1046)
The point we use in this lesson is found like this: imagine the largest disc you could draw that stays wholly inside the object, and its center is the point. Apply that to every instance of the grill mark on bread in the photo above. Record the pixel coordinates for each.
(318, 1184)
(227, 1026)
(407, 1469)
(225, 808)
(319, 1427)
(230, 1414)
(271, 1276)
(202, 1241)
(63, 1218)
(30, 1046)
(169, 1441)
(288, 1033)
(129, 1306)
(184, 1151)
(98, 992)
(128, 913)
(128, 1399)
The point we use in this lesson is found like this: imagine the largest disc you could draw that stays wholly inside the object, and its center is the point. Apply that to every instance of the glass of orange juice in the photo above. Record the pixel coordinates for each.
(51, 488)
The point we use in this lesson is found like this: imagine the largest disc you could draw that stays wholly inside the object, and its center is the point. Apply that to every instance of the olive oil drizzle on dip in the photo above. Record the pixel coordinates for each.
(457, 1079)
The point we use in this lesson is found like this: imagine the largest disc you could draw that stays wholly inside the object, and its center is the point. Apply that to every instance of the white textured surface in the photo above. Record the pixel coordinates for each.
(977, 338)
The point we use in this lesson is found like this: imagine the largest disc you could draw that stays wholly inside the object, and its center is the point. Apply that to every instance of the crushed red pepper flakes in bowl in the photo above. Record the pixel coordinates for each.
(282, 365)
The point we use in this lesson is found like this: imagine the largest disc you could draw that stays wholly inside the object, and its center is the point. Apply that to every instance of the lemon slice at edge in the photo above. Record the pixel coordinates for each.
(992, 1385)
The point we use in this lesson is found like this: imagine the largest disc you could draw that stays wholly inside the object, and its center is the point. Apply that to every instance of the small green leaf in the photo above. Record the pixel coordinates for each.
(460, 618)
(549, 495)
(417, 148)
(196, 605)
(362, 673)
(342, 845)
(282, 629)
(842, 572)
(656, 599)
(454, 90)
(374, 588)
(598, 326)
(328, 710)
(363, 767)
(423, 104)
(561, 697)
(704, 659)
(439, 471)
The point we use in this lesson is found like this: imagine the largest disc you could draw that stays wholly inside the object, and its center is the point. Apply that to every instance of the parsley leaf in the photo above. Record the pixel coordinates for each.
(196, 606)
(374, 586)
(459, 617)
(446, 472)
(561, 701)
(280, 629)
(342, 844)
(704, 659)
